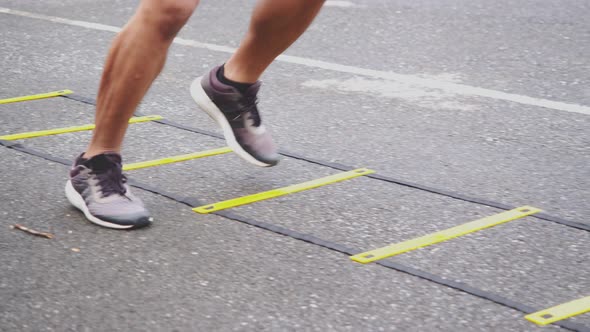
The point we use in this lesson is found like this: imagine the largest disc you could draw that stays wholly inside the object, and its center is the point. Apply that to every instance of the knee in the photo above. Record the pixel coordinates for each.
(169, 16)
(177, 12)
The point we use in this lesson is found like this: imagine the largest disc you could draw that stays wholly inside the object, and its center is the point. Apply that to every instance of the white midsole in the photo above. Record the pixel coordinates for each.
(76, 199)
(207, 105)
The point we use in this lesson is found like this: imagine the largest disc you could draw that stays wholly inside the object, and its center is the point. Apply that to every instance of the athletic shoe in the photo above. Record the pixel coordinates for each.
(237, 115)
(98, 188)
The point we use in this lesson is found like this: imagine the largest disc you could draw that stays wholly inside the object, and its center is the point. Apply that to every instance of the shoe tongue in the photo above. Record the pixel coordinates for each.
(103, 161)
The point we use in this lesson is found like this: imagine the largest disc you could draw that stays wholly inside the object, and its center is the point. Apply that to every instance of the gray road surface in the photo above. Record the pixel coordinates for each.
(193, 272)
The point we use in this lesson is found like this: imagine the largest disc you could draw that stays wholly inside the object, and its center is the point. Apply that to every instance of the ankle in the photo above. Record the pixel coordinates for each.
(222, 77)
(95, 151)
(240, 73)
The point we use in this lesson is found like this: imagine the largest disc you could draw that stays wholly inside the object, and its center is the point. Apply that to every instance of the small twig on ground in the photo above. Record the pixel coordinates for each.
(32, 231)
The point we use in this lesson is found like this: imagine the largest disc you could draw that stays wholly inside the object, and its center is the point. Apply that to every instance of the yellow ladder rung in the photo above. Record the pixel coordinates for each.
(58, 131)
(282, 191)
(560, 312)
(37, 96)
(444, 235)
(175, 159)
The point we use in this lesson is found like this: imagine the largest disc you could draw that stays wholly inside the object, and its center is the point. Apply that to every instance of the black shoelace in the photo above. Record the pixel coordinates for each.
(250, 108)
(112, 181)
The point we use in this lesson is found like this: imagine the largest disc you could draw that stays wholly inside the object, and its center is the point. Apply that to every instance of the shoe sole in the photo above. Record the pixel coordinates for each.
(76, 199)
(206, 104)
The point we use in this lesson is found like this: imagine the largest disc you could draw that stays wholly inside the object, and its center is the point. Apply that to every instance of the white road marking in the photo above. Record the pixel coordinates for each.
(344, 4)
(417, 95)
(451, 87)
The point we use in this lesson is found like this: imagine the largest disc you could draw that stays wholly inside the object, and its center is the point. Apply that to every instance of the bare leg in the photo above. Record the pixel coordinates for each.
(138, 54)
(136, 58)
(274, 26)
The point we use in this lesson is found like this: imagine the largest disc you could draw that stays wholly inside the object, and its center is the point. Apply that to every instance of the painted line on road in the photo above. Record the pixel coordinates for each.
(282, 191)
(444, 235)
(560, 312)
(37, 96)
(58, 131)
(456, 88)
(341, 4)
(176, 159)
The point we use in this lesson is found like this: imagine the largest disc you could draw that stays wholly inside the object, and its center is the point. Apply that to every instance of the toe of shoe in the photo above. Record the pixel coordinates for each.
(268, 159)
(133, 221)
(273, 161)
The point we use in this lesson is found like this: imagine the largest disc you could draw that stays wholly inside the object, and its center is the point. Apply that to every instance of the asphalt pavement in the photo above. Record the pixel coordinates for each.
(484, 100)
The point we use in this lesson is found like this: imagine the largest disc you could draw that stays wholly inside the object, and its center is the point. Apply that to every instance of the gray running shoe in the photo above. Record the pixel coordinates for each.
(237, 115)
(98, 188)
